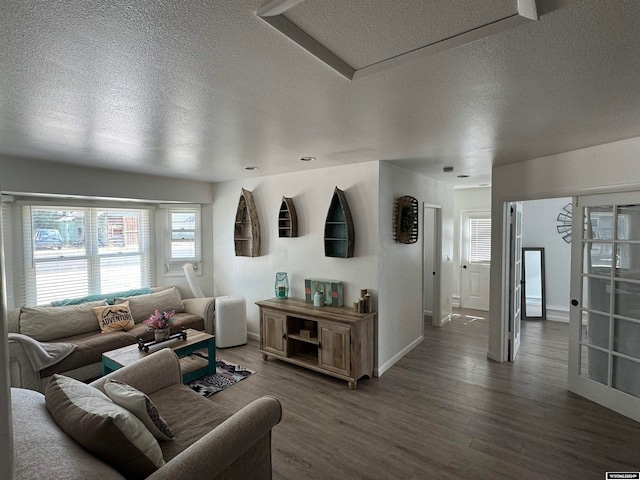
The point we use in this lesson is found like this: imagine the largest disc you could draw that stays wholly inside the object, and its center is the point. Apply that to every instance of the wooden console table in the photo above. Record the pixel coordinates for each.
(331, 340)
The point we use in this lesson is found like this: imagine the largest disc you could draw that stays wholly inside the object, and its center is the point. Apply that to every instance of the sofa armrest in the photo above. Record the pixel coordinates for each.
(231, 441)
(21, 371)
(149, 374)
(205, 308)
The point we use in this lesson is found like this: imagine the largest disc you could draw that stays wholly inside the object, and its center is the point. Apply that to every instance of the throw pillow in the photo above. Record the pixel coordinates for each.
(112, 318)
(109, 431)
(141, 406)
(50, 323)
(143, 306)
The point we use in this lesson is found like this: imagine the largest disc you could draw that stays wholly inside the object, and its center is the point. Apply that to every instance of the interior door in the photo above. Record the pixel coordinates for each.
(515, 268)
(475, 260)
(604, 346)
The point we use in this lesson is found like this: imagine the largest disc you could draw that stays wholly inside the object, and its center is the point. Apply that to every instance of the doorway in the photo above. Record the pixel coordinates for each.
(475, 260)
(432, 257)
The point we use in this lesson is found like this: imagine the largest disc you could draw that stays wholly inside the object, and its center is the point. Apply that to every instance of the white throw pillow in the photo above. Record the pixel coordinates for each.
(141, 406)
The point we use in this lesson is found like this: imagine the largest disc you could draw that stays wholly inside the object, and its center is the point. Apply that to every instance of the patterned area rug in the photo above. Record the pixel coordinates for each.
(227, 374)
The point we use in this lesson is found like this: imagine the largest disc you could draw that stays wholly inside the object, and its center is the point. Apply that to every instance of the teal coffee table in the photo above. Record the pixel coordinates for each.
(192, 366)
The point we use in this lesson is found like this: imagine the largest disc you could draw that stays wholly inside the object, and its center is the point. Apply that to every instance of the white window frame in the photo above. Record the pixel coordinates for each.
(91, 255)
(174, 266)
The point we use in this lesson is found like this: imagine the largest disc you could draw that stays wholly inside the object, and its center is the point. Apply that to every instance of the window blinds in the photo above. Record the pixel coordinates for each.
(74, 251)
(480, 240)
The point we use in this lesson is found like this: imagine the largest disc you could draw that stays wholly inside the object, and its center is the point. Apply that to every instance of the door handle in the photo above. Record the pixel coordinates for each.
(284, 336)
(464, 266)
(574, 302)
(319, 346)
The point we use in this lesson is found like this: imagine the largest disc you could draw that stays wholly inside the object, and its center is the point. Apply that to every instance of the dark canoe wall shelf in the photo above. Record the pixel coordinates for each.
(339, 235)
(287, 219)
(246, 233)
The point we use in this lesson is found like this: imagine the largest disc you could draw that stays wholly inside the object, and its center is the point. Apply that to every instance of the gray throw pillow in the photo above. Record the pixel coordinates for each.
(108, 431)
(143, 306)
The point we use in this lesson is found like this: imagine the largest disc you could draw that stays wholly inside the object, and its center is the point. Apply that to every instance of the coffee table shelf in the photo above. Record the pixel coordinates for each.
(191, 366)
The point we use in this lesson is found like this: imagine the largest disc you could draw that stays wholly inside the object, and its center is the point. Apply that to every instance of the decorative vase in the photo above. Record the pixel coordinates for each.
(282, 285)
(161, 334)
(318, 299)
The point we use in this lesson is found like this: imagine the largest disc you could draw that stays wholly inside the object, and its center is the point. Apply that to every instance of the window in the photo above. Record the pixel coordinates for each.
(479, 240)
(182, 237)
(75, 251)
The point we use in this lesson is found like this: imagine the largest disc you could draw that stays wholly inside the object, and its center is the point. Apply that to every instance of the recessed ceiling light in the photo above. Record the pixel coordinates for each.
(250, 168)
(463, 176)
(307, 159)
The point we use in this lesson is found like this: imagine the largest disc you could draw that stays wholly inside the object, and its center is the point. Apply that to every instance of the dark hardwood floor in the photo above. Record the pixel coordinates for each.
(444, 411)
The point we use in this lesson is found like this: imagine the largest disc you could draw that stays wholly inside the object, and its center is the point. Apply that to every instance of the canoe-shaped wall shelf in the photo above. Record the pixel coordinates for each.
(339, 235)
(246, 233)
(287, 219)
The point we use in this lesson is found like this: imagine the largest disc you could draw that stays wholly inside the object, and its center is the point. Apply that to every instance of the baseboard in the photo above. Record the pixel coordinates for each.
(558, 315)
(254, 336)
(399, 355)
(455, 301)
(444, 320)
(493, 356)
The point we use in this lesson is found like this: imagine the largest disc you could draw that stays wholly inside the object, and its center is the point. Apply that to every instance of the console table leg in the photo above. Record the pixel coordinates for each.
(265, 356)
(353, 385)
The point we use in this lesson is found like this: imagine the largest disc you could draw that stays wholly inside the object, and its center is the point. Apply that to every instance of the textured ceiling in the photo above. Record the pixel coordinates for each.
(200, 89)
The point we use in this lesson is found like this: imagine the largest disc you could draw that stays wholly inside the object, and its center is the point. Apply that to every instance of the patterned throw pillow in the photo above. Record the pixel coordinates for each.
(109, 431)
(112, 318)
(141, 406)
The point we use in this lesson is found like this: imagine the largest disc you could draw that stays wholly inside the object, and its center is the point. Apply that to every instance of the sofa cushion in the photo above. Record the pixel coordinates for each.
(42, 450)
(107, 430)
(112, 318)
(50, 323)
(141, 406)
(143, 306)
(190, 416)
(90, 348)
(180, 320)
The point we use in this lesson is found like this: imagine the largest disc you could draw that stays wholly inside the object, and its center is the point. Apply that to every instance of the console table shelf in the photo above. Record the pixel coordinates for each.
(340, 341)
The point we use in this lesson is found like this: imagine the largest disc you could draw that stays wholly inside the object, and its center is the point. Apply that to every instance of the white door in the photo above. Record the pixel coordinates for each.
(515, 268)
(475, 260)
(604, 342)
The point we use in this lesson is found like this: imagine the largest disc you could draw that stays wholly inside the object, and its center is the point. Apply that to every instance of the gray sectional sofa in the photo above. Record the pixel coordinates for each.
(78, 325)
(211, 441)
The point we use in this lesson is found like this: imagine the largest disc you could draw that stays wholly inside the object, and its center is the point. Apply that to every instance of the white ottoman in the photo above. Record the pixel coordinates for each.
(231, 321)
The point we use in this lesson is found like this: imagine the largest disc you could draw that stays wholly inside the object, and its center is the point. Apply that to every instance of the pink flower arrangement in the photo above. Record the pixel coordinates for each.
(160, 320)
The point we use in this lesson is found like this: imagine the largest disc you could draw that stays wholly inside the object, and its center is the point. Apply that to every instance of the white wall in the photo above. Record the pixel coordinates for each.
(400, 324)
(465, 200)
(603, 168)
(539, 230)
(6, 438)
(301, 257)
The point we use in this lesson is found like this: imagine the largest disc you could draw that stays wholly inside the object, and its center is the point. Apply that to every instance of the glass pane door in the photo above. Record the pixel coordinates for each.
(607, 287)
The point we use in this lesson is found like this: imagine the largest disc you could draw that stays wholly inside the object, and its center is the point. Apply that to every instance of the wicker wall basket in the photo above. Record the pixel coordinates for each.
(406, 220)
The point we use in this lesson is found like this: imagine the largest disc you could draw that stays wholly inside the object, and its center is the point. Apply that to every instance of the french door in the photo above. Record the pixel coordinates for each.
(515, 269)
(604, 344)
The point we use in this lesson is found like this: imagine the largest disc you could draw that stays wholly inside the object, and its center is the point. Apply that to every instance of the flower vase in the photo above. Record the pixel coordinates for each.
(161, 334)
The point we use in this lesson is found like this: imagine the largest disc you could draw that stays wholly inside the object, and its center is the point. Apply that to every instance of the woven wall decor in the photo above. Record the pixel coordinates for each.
(406, 220)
